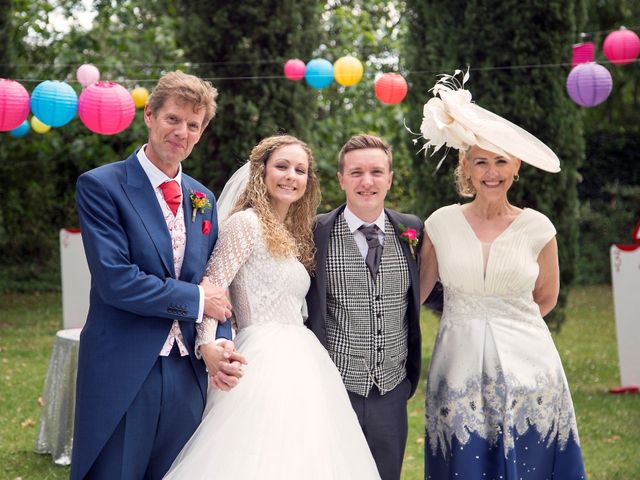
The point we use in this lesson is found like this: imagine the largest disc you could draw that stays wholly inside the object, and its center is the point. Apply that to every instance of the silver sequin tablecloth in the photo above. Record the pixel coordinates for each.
(55, 435)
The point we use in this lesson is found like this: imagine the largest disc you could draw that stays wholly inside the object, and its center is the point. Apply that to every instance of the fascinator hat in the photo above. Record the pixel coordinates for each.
(452, 120)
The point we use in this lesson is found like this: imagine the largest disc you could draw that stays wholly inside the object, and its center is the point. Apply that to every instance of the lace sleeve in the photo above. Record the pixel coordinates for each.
(233, 248)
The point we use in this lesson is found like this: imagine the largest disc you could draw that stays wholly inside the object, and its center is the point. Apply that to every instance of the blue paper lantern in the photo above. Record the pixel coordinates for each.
(319, 73)
(54, 103)
(21, 130)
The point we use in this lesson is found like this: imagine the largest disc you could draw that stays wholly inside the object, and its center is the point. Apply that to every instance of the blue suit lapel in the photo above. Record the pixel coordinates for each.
(193, 251)
(144, 201)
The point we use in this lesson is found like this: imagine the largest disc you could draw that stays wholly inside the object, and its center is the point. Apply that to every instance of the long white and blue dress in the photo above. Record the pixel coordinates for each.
(498, 403)
(290, 417)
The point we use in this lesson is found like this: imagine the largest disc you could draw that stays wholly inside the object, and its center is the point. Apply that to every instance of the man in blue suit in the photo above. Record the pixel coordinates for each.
(148, 230)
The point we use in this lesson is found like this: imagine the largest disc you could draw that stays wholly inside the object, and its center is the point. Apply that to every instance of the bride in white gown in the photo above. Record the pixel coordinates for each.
(289, 417)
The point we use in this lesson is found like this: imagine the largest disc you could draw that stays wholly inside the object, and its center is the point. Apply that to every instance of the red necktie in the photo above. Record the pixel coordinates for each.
(172, 195)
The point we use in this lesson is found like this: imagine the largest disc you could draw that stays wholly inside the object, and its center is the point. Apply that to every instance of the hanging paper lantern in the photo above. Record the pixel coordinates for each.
(106, 108)
(14, 104)
(140, 96)
(589, 84)
(39, 126)
(87, 74)
(319, 73)
(21, 130)
(583, 53)
(390, 88)
(347, 71)
(294, 69)
(54, 103)
(621, 47)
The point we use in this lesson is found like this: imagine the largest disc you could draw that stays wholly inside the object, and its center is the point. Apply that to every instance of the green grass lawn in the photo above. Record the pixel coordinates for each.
(609, 425)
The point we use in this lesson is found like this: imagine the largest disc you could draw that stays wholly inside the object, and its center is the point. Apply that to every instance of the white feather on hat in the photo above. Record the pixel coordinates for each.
(451, 119)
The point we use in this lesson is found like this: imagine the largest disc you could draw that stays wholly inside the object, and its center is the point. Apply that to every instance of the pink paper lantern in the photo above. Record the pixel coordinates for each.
(621, 47)
(583, 53)
(294, 69)
(14, 104)
(390, 88)
(87, 74)
(106, 108)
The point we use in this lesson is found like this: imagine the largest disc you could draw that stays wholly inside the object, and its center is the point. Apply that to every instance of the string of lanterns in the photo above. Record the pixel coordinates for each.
(589, 83)
(103, 107)
(108, 108)
(319, 73)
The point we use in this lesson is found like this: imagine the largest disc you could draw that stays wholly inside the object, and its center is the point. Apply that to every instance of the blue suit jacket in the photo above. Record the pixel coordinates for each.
(135, 295)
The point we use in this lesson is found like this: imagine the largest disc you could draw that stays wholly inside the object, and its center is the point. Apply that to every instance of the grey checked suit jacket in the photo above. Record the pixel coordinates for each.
(316, 298)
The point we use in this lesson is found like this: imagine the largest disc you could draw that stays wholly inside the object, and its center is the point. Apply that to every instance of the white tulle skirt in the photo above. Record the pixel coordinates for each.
(289, 417)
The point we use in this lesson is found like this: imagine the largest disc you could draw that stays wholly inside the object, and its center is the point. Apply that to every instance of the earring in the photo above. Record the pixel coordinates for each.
(516, 177)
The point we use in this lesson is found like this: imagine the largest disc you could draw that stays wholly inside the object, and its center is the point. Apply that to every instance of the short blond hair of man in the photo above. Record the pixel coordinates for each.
(185, 88)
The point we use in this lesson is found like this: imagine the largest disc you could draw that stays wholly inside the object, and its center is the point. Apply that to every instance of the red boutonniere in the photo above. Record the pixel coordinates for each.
(199, 201)
(410, 236)
(206, 227)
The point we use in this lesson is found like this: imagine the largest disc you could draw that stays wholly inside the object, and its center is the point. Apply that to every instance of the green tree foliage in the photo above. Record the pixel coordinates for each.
(609, 190)
(370, 31)
(231, 43)
(126, 42)
(5, 38)
(497, 39)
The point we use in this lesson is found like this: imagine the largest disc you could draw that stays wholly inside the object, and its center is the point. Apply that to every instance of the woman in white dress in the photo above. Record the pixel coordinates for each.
(289, 417)
(498, 404)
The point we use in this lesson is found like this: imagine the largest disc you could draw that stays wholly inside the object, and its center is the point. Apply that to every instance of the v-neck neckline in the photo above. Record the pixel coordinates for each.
(500, 235)
(485, 268)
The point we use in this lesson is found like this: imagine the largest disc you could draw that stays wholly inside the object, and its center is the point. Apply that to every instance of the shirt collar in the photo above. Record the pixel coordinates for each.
(354, 222)
(156, 176)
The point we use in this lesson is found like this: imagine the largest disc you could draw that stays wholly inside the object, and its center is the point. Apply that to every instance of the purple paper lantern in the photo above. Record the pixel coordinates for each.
(14, 104)
(106, 108)
(589, 84)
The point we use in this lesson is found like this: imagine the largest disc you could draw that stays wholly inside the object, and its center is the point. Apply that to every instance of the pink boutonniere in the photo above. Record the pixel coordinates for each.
(199, 201)
(410, 236)
(206, 227)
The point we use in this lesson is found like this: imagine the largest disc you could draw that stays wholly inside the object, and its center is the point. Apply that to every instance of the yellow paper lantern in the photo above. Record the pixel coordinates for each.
(38, 126)
(140, 96)
(347, 71)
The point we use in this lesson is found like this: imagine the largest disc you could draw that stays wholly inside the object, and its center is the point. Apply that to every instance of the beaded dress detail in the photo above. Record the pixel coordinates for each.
(290, 416)
(498, 403)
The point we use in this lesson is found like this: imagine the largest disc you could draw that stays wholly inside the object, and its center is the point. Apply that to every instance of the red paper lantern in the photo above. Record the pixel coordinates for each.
(294, 69)
(106, 108)
(621, 47)
(390, 88)
(14, 104)
(583, 53)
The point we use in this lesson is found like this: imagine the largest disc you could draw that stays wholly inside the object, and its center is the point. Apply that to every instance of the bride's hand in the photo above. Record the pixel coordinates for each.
(224, 364)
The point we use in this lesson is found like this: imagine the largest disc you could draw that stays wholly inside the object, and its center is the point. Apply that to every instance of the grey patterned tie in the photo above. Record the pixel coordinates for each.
(375, 249)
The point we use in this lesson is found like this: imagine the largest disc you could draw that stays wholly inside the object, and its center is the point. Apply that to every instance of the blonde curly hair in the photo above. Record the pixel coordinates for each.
(463, 184)
(295, 235)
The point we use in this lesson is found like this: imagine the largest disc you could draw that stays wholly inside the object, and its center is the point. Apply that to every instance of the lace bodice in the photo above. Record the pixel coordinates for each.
(262, 288)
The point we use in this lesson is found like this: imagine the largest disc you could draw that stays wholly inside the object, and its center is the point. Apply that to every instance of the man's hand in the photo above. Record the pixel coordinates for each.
(216, 301)
(224, 364)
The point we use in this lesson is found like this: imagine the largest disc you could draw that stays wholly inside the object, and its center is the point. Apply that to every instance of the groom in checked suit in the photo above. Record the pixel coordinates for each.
(140, 389)
(363, 302)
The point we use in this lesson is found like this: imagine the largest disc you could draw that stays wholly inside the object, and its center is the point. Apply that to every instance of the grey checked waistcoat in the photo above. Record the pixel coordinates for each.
(366, 320)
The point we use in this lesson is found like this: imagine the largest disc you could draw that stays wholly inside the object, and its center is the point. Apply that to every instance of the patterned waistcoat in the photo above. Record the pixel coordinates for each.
(366, 319)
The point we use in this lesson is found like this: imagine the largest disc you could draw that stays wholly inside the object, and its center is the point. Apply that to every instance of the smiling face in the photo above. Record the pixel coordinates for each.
(366, 178)
(174, 130)
(491, 174)
(286, 173)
